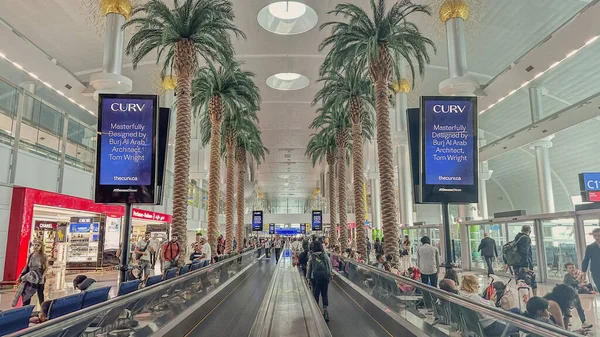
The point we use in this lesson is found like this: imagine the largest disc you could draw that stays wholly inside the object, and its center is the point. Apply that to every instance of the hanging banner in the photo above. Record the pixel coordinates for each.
(126, 149)
(257, 221)
(449, 150)
(317, 220)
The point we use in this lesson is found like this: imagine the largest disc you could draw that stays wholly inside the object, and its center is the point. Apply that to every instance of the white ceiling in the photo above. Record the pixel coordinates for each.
(498, 34)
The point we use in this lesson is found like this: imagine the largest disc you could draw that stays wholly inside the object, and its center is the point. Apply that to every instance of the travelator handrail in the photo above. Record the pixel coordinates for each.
(55, 325)
(316, 327)
(519, 321)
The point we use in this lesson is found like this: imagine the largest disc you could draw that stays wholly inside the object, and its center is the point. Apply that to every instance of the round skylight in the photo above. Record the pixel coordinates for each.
(287, 17)
(288, 81)
(287, 76)
(287, 10)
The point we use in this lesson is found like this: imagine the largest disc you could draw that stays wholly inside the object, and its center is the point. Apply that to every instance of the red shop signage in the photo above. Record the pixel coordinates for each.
(41, 225)
(150, 215)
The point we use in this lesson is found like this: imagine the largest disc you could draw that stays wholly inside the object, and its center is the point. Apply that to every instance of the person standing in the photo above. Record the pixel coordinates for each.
(319, 274)
(428, 261)
(170, 253)
(524, 267)
(142, 251)
(378, 247)
(488, 250)
(33, 276)
(277, 249)
(368, 257)
(155, 245)
(405, 253)
(591, 259)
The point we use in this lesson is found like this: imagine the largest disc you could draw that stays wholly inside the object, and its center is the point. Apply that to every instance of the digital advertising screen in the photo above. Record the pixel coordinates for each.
(272, 228)
(257, 221)
(302, 228)
(317, 220)
(164, 116)
(126, 149)
(449, 149)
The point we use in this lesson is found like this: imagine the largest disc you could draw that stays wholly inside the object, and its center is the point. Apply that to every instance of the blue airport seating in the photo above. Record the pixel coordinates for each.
(15, 319)
(196, 266)
(170, 273)
(185, 269)
(152, 280)
(93, 297)
(205, 263)
(128, 287)
(65, 305)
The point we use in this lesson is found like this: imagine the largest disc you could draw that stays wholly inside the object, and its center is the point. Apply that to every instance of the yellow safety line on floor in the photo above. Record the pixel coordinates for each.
(218, 304)
(361, 308)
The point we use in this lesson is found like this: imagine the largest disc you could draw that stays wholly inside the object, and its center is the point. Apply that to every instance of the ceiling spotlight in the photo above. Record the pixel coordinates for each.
(287, 76)
(287, 10)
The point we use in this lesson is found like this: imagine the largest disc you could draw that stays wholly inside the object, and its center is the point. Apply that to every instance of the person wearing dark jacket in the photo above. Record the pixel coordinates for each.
(524, 268)
(84, 283)
(488, 250)
(591, 259)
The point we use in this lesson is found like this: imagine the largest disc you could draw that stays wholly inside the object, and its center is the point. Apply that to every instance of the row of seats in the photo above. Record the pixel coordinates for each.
(17, 319)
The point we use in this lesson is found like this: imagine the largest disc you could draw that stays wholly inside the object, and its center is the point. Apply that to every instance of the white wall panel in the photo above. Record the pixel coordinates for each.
(36, 172)
(77, 183)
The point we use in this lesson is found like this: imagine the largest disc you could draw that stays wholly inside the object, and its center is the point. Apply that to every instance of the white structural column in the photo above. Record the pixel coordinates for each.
(110, 80)
(542, 155)
(405, 184)
(484, 175)
(453, 14)
(169, 84)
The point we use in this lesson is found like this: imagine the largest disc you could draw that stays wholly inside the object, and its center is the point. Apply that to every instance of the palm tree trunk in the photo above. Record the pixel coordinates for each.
(380, 72)
(342, 142)
(333, 238)
(241, 165)
(215, 109)
(229, 190)
(185, 69)
(357, 161)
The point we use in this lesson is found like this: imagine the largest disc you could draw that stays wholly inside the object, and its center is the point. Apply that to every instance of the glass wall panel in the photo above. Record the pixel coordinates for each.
(476, 234)
(559, 244)
(515, 228)
(8, 109)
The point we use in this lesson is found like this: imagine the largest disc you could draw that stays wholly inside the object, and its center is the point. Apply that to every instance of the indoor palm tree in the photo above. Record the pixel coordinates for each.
(377, 43)
(249, 143)
(221, 94)
(191, 29)
(353, 92)
(322, 146)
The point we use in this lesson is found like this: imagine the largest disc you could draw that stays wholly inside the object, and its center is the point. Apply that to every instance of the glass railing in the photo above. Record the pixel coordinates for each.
(441, 313)
(147, 310)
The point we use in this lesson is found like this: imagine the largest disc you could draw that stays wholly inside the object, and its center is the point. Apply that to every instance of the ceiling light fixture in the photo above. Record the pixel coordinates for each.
(20, 67)
(287, 76)
(287, 10)
(553, 65)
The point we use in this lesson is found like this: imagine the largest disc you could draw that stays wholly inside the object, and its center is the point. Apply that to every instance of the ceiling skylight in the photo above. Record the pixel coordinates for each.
(287, 76)
(288, 81)
(287, 10)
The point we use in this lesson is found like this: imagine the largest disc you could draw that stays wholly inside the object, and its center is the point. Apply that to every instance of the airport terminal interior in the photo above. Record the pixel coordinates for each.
(299, 168)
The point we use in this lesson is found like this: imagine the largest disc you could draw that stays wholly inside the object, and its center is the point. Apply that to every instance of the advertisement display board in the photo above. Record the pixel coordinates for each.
(126, 149)
(317, 220)
(257, 221)
(164, 116)
(271, 228)
(302, 228)
(449, 150)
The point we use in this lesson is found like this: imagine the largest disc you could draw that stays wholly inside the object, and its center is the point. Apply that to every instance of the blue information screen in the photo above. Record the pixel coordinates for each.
(450, 142)
(257, 221)
(317, 220)
(127, 140)
(272, 228)
(590, 181)
(302, 228)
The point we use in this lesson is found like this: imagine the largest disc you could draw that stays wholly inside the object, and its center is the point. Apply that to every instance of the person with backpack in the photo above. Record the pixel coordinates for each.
(142, 252)
(319, 274)
(488, 250)
(518, 255)
(170, 253)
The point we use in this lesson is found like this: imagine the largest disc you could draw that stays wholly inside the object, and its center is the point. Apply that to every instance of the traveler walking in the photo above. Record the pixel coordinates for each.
(268, 249)
(170, 253)
(277, 245)
(33, 276)
(488, 250)
(520, 257)
(428, 261)
(368, 257)
(319, 275)
(592, 258)
(142, 251)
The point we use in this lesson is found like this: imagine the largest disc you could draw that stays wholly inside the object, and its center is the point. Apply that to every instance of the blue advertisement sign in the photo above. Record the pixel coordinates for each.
(302, 228)
(257, 221)
(449, 149)
(272, 228)
(317, 220)
(79, 227)
(287, 231)
(126, 153)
